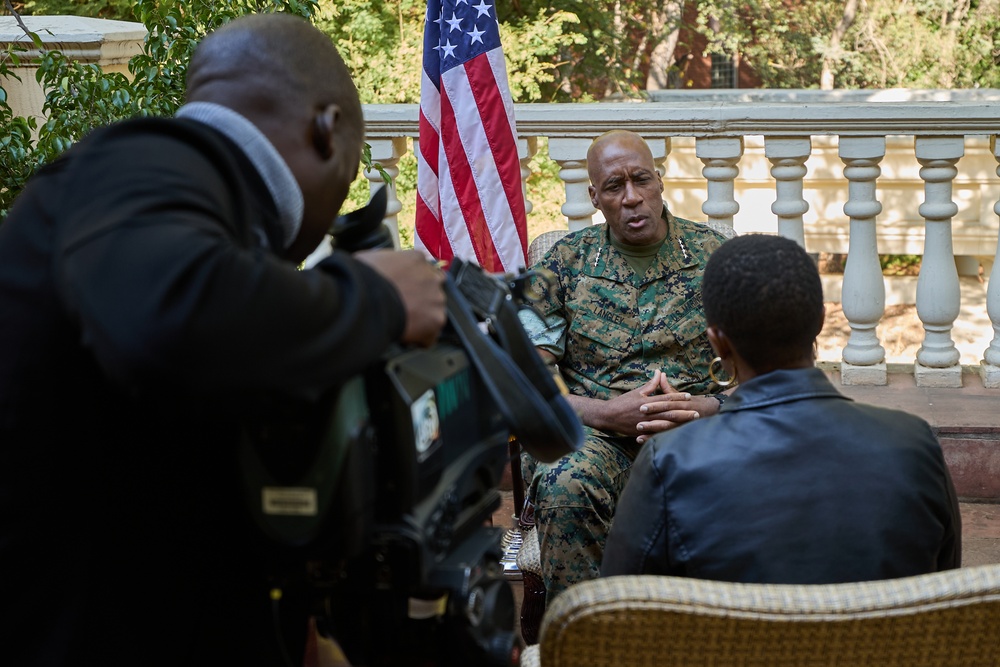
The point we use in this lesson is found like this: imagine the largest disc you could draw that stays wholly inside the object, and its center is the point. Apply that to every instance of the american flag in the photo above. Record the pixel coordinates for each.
(469, 199)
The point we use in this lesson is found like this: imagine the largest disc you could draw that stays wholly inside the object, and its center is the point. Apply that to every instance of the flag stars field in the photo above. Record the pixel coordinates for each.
(469, 199)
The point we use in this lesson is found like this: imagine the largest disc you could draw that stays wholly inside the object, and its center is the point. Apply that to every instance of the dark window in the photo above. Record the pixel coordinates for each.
(723, 71)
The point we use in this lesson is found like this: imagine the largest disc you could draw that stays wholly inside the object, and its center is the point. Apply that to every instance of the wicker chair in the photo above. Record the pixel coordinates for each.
(945, 619)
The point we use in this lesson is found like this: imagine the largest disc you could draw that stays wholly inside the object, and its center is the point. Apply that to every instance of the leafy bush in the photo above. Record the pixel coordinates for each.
(80, 97)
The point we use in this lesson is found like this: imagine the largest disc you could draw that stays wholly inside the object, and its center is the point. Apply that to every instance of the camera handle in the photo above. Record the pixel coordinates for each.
(533, 407)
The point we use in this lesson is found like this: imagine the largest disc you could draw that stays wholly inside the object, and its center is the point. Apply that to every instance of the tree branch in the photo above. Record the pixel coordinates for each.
(17, 17)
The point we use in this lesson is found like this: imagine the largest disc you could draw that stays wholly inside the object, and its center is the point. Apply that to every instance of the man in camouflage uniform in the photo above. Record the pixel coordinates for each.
(623, 321)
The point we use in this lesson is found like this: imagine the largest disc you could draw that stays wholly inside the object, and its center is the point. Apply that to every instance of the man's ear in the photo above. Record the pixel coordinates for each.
(322, 130)
(593, 195)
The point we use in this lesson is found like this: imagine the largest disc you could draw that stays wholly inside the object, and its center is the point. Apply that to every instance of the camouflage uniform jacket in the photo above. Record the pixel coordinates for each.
(610, 328)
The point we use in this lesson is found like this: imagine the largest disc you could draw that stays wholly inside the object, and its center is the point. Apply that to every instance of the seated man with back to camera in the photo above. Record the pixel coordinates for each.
(792, 482)
(623, 321)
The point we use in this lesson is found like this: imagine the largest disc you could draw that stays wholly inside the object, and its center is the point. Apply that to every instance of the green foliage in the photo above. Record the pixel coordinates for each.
(917, 44)
(890, 44)
(978, 54)
(785, 44)
(900, 265)
(382, 42)
(80, 97)
(121, 10)
(556, 50)
(595, 45)
(531, 65)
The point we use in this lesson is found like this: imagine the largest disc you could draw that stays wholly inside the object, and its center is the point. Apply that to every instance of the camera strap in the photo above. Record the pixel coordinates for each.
(520, 384)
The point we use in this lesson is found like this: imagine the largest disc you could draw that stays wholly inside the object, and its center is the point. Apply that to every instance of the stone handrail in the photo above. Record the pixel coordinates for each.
(934, 145)
(837, 171)
(714, 119)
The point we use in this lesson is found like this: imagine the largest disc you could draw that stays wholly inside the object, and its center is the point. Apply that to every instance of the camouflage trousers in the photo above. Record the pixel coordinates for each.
(574, 501)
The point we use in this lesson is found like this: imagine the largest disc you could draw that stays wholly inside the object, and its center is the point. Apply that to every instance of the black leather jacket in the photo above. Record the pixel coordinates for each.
(792, 482)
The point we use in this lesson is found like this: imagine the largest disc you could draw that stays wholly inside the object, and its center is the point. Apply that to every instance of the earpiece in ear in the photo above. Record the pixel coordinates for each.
(322, 130)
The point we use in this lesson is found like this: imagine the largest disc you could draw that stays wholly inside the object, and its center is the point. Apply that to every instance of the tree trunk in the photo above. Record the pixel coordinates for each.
(666, 26)
(826, 76)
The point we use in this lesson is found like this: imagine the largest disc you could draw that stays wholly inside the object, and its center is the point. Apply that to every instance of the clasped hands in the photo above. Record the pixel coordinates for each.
(656, 407)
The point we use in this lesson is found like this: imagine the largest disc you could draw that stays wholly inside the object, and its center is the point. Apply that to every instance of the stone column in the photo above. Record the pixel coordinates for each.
(526, 149)
(938, 294)
(570, 153)
(387, 153)
(989, 368)
(721, 157)
(788, 157)
(660, 148)
(863, 290)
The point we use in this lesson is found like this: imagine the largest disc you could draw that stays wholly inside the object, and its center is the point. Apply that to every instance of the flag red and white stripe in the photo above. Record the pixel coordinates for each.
(469, 199)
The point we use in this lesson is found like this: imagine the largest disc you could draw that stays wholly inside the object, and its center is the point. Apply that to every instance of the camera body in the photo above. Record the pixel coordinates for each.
(390, 514)
(387, 527)
(389, 498)
(424, 585)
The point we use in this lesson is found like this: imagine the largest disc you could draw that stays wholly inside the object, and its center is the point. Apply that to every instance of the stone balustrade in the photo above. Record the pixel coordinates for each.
(862, 177)
(857, 172)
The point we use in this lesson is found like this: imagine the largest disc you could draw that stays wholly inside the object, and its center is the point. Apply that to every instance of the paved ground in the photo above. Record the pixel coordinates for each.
(980, 533)
(980, 529)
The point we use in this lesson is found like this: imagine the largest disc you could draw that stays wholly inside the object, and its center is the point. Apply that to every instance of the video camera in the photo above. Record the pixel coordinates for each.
(392, 517)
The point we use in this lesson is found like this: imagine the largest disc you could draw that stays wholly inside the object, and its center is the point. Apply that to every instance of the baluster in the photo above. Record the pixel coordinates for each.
(387, 153)
(660, 149)
(571, 156)
(721, 156)
(863, 289)
(788, 157)
(989, 368)
(526, 149)
(938, 293)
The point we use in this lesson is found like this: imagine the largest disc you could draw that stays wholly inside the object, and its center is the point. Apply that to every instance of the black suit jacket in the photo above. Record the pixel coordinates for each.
(141, 319)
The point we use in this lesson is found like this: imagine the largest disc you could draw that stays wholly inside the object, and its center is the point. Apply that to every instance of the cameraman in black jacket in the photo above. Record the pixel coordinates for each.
(149, 296)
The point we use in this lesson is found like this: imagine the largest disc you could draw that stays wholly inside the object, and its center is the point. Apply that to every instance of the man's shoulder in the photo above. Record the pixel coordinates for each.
(702, 237)
(695, 229)
(154, 142)
(574, 246)
(158, 129)
(685, 444)
(894, 419)
(586, 236)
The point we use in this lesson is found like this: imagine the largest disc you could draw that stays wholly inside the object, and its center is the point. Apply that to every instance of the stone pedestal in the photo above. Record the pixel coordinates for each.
(926, 376)
(106, 43)
(875, 375)
(990, 375)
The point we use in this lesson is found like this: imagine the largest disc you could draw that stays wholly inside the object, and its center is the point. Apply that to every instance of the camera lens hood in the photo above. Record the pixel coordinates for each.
(525, 393)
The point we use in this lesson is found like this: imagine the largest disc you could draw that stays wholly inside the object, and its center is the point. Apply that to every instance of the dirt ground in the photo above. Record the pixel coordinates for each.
(900, 330)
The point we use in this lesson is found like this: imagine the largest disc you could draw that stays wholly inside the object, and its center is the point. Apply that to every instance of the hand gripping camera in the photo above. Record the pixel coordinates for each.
(392, 517)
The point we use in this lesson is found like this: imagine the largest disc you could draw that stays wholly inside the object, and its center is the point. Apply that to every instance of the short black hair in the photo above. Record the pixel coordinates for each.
(765, 294)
